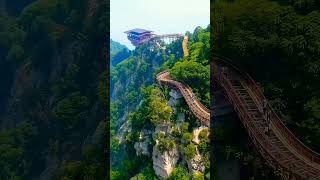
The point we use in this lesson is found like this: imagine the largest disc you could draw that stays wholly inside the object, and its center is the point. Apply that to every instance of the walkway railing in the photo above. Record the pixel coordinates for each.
(293, 144)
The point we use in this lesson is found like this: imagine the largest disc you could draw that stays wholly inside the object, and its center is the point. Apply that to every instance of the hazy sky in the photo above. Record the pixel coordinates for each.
(161, 16)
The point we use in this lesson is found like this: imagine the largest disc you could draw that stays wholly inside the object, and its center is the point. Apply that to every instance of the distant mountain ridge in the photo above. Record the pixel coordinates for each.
(116, 47)
(118, 52)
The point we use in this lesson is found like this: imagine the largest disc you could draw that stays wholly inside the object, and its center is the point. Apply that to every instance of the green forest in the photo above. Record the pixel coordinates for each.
(118, 52)
(278, 44)
(136, 98)
(53, 91)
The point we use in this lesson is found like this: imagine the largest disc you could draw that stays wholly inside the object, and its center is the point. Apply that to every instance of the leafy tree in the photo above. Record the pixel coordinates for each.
(203, 134)
(155, 108)
(185, 127)
(277, 43)
(114, 145)
(187, 137)
(15, 148)
(72, 110)
(71, 170)
(148, 108)
(203, 146)
(189, 151)
(179, 173)
(166, 145)
(191, 72)
(195, 75)
(160, 112)
(115, 175)
(176, 132)
(146, 174)
(198, 176)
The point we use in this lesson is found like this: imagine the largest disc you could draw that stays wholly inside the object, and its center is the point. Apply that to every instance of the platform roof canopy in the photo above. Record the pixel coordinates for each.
(138, 31)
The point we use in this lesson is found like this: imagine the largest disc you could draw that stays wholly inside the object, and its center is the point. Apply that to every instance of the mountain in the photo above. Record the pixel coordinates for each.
(149, 139)
(118, 52)
(116, 47)
(52, 96)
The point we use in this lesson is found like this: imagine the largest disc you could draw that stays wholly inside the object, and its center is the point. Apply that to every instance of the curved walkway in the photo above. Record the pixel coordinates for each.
(288, 156)
(198, 109)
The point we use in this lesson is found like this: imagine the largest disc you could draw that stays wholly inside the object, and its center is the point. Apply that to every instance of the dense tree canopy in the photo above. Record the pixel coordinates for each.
(139, 98)
(279, 47)
(277, 43)
(57, 50)
(194, 70)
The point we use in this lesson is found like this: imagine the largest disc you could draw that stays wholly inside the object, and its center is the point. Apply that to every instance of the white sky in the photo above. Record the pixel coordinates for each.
(161, 16)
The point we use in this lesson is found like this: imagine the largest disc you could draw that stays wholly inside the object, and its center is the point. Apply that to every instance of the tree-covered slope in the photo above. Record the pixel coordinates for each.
(280, 48)
(52, 65)
(277, 43)
(118, 52)
(116, 47)
(140, 106)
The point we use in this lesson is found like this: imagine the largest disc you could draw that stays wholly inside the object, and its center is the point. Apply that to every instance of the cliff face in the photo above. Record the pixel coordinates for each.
(130, 75)
(53, 69)
(164, 163)
(28, 80)
(139, 103)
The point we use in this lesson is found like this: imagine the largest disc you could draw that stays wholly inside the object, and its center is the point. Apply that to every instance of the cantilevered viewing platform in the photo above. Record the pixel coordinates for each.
(138, 36)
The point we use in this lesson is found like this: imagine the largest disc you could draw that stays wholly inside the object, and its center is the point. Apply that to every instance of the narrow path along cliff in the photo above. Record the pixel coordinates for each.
(289, 157)
(197, 108)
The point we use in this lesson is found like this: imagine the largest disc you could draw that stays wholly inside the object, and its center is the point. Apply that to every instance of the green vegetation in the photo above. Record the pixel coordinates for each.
(176, 132)
(282, 49)
(187, 137)
(51, 53)
(146, 174)
(194, 70)
(134, 99)
(179, 173)
(89, 168)
(15, 148)
(204, 142)
(152, 111)
(198, 176)
(189, 151)
(157, 109)
(72, 110)
(137, 97)
(166, 144)
(118, 52)
(203, 135)
(116, 47)
(277, 42)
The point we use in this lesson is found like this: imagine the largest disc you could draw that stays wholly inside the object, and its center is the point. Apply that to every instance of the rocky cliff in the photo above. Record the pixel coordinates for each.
(53, 71)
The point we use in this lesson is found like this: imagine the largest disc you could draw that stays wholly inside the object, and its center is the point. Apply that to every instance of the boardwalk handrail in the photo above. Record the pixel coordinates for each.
(289, 136)
(165, 36)
(200, 111)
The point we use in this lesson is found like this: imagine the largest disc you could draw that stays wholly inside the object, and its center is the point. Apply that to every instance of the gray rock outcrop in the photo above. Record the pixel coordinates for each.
(164, 163)
(196, 164)
(142, 147)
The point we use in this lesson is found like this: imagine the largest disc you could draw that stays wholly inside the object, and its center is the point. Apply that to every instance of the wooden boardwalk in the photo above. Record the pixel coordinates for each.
(282, 151)
(197, 108)
(288, 157)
